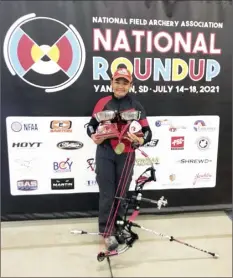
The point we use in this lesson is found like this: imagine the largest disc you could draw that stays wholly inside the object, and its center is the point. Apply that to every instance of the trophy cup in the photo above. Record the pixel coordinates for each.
(106, 128)
(132, 117)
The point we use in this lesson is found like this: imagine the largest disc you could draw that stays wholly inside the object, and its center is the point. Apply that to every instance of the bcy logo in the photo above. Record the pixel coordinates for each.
(51, 60)
(16, 127)
(62, 166)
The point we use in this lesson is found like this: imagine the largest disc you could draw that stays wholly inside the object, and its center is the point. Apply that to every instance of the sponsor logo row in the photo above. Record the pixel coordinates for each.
(198, 126)
(177, 143)
(56, 184)
(199, 177)
(66, 126)
(65, 166)
(69, 184)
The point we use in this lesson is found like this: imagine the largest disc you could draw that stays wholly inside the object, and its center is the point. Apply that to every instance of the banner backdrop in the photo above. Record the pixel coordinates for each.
(184, 154)
(58, 58)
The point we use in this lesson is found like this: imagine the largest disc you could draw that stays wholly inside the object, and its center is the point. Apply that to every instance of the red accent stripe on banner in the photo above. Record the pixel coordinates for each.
(143, 122)
(100, 104)
(66, 53)
(24, 52)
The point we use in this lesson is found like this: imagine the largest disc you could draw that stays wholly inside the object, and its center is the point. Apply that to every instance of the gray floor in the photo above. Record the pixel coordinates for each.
(47, 249)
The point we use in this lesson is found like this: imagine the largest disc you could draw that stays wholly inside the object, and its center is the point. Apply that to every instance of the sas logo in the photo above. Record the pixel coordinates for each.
(62, 166)
(27, 185)
(51, 60)
(60, 126)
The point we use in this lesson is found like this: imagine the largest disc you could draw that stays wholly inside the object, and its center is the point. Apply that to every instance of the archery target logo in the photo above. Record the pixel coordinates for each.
(44, 52)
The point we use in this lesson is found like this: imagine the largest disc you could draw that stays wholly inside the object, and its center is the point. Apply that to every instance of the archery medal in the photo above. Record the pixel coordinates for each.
(119, 148)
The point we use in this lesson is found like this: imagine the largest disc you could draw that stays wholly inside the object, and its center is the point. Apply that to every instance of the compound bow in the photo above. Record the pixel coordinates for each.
(127, 224)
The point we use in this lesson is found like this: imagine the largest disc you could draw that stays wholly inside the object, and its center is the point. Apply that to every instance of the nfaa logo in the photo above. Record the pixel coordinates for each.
(52, 59)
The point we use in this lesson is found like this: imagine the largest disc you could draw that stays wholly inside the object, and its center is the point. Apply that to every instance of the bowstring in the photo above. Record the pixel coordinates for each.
(123, 190)
(108, 230)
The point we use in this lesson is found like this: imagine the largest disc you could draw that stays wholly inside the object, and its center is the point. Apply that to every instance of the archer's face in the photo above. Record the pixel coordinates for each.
(120, 87)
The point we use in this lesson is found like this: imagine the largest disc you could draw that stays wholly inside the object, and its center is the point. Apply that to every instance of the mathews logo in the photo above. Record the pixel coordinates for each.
(70, 145)
(16, 127)
(62, 183)
(27, 185)
(152, 143)
(51, 60)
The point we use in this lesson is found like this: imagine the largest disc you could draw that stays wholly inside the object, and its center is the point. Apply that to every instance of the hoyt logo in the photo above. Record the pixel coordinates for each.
(17, 127)
(52, 61)
(62, 184)
(177, 143)
(24, 145)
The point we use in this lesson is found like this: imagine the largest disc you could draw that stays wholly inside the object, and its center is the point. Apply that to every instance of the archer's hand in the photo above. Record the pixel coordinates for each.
(133, 138)
(95, 140)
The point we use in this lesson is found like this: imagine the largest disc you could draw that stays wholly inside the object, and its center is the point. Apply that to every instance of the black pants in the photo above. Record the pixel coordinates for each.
(109, 169)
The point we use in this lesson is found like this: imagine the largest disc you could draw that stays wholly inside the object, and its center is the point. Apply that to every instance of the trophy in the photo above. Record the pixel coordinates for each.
(106, 128)
(132, 117)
